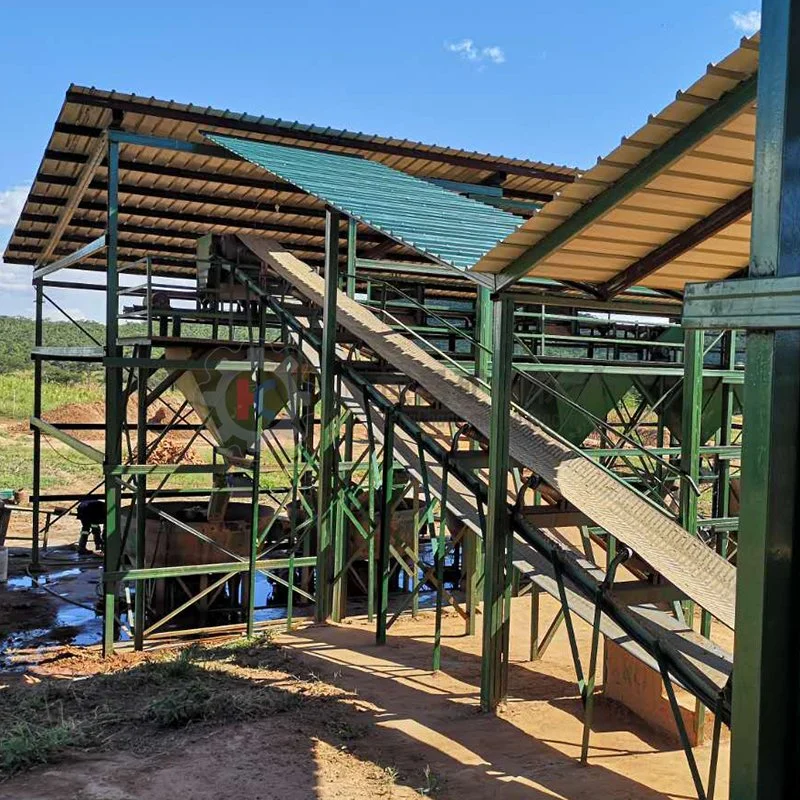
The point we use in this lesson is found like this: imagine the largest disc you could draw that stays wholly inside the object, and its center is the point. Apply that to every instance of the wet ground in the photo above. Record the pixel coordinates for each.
(61, 604)
(53, 607)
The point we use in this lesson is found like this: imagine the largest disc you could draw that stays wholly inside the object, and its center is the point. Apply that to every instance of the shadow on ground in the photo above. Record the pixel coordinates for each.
(481, 755)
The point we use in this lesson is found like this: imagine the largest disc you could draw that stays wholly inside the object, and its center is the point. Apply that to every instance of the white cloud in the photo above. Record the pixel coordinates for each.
(748, 22)
(14, 277)
(494, 54)
(55, 315)
(468, 50)
(11, 202)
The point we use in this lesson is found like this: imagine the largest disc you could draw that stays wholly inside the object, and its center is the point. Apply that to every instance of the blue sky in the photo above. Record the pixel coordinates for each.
(558, 82)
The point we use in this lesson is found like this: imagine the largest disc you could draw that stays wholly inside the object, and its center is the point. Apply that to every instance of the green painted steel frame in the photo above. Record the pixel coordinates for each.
(583, 582)
(113, 418)
(766, 724)
(497, 570)
(37, 434)
(329, 424)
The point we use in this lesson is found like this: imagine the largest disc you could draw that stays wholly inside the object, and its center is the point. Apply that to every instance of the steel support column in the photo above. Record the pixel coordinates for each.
(255, 519)
(766, 723)
(37, 434)
(339, 607)
(141, 507)
(473, 544)
(352, 231)
(114, 410)
(691, 418)
(691, 423)
(722, 495)
(326, 513)
(387, 495)
(497, 570)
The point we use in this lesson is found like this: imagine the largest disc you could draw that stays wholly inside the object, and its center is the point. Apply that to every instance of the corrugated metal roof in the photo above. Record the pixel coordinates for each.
(712, 176)
(169, 198)
(437, 223)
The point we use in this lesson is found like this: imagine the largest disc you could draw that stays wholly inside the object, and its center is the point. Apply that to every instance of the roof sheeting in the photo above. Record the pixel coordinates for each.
(442, 225)
(169, 198)
(700, 182)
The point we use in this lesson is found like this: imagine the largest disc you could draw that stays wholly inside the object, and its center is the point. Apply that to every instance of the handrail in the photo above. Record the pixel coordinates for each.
(643, 451)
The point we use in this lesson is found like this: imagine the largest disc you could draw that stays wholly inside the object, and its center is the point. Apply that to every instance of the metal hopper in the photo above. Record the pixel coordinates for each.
(223, 393)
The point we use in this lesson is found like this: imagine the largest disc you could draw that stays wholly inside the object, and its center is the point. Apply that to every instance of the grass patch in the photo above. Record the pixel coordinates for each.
(197, 701)
(432, 784)
(27, 745)
(132, 707)
(61, 466)
(16, 392)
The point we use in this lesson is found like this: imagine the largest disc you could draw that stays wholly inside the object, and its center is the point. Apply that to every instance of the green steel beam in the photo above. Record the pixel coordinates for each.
(473, 544)
(73, 258)
(766, 722)
(387, 492)
(618, 306)
(497, 570)
(170, 469)
(223, 365)
(691, 423)
(747, 303)
(686, 240)
(691, 419)
(722, 452)
(326, 515)
(181, 571)
(92, 453)
(440, 553)
(341, 539)
(139, 611)
(727, 107)
(722, 495)
(255, 516)
(634, 368)
(352, 231)
(166, 143)
(483, 334)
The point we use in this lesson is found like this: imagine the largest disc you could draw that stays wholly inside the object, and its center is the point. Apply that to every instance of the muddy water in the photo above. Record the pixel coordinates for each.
(61, 605)
(40, 610)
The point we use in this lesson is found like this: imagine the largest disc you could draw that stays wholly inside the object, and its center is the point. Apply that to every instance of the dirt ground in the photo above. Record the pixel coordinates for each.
(390, 728)
(373, 721)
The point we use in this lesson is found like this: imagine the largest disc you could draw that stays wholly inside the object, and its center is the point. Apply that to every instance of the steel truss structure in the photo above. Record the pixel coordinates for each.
(367, 440)
(657, 405)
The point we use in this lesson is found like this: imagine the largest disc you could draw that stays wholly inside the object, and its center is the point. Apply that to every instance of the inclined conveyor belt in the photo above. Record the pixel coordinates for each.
(682, 559)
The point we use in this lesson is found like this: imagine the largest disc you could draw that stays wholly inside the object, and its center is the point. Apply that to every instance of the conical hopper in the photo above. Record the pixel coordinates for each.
(223, 393)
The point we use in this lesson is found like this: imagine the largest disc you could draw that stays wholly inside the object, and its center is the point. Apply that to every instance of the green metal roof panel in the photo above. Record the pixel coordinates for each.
(437, 223)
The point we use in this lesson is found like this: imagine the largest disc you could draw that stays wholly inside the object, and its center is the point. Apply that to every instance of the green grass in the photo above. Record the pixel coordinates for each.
(27, 745)
(16, 393)
(62, 467)
(41, 723)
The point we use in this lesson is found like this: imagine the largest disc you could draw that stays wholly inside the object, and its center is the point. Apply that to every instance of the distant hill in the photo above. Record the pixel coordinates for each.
(17, 335)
